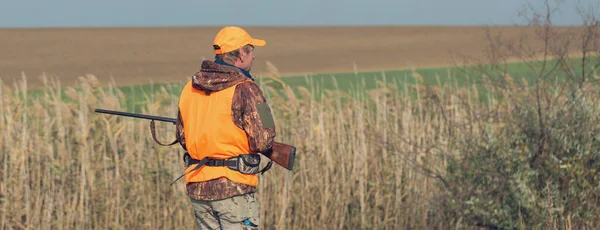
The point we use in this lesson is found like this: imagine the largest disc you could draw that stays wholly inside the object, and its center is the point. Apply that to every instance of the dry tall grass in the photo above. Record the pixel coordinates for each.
(65, 167)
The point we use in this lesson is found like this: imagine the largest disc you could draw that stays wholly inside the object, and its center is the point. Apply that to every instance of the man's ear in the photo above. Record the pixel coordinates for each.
(242, 53)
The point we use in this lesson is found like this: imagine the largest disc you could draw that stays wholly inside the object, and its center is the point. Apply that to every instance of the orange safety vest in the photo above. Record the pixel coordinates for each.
(210, 132)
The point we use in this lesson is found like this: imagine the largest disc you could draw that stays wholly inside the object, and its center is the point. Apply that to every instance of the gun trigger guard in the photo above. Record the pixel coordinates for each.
(153, 130)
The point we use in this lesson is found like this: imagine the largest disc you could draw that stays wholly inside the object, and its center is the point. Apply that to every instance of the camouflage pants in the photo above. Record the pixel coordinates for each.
(238, 212)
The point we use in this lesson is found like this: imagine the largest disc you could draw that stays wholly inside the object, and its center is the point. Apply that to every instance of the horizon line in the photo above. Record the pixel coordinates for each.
(277, 26)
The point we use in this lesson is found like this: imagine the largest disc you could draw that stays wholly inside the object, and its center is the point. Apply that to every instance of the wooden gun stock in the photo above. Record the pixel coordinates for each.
(282, 154)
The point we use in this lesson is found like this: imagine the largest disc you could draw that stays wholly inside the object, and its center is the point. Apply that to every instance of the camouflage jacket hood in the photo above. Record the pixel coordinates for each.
(216, 75)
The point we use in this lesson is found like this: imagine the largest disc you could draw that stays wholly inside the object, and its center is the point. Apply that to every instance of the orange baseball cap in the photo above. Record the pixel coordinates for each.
(231, 38)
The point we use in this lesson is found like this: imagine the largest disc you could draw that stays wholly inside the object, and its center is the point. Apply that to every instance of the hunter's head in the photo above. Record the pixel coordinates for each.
(235, 46)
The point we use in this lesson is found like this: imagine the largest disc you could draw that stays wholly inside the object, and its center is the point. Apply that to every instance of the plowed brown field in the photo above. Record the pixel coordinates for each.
(136, 55)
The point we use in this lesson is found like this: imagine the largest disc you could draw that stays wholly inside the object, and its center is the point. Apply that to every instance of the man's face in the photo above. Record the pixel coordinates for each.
(247, 58)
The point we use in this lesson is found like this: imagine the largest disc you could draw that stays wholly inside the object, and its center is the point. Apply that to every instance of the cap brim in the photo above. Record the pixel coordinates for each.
(258, 42)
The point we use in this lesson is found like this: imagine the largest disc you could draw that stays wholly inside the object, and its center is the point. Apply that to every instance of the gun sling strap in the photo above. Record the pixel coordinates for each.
(232, 163)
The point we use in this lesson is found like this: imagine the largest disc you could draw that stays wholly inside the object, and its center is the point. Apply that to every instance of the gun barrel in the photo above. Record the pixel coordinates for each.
(281, 154)
(149, 117)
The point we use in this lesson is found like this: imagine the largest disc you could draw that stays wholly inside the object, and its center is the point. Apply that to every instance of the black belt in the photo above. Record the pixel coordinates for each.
(231, 162)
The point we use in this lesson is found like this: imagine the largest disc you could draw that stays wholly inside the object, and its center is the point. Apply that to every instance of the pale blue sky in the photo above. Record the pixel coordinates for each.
(76, 13)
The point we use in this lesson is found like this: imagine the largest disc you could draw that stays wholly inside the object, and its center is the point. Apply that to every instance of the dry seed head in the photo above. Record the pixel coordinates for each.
(164, 92)
(377, 93)
(392, 86)
(82, 81)
(304, 92)
(418, 76)
(91, 100)
(72, 94)
(153, 108)
(110, 102)
(92, 80)
(436, 91)
(272, 71)
(270, 90)
(23, 83)
(65, 112)
(292, 100)
(380, 84)
(508, 78)
(462, 92)
(44, 79)
(120, 94)
(6, 93)
(38, 109)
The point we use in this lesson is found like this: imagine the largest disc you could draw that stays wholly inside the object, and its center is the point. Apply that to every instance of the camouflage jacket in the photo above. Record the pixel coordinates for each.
(214, 77)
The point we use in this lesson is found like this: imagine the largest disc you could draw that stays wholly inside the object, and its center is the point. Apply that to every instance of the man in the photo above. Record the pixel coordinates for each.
(223, 123)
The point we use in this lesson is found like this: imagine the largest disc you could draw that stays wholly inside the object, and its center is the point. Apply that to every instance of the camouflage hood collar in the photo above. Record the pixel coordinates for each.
(215, 76)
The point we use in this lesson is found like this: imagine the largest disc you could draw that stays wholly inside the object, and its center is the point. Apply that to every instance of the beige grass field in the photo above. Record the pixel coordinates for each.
(136, 55)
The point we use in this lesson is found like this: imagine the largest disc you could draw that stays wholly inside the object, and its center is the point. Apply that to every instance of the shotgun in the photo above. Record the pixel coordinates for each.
(281, 154)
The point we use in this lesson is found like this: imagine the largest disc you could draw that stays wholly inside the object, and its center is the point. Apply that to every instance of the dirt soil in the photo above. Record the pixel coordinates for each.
(138, 55)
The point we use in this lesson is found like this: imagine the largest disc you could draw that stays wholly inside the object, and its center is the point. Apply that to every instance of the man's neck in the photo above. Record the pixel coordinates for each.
(245, 72)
